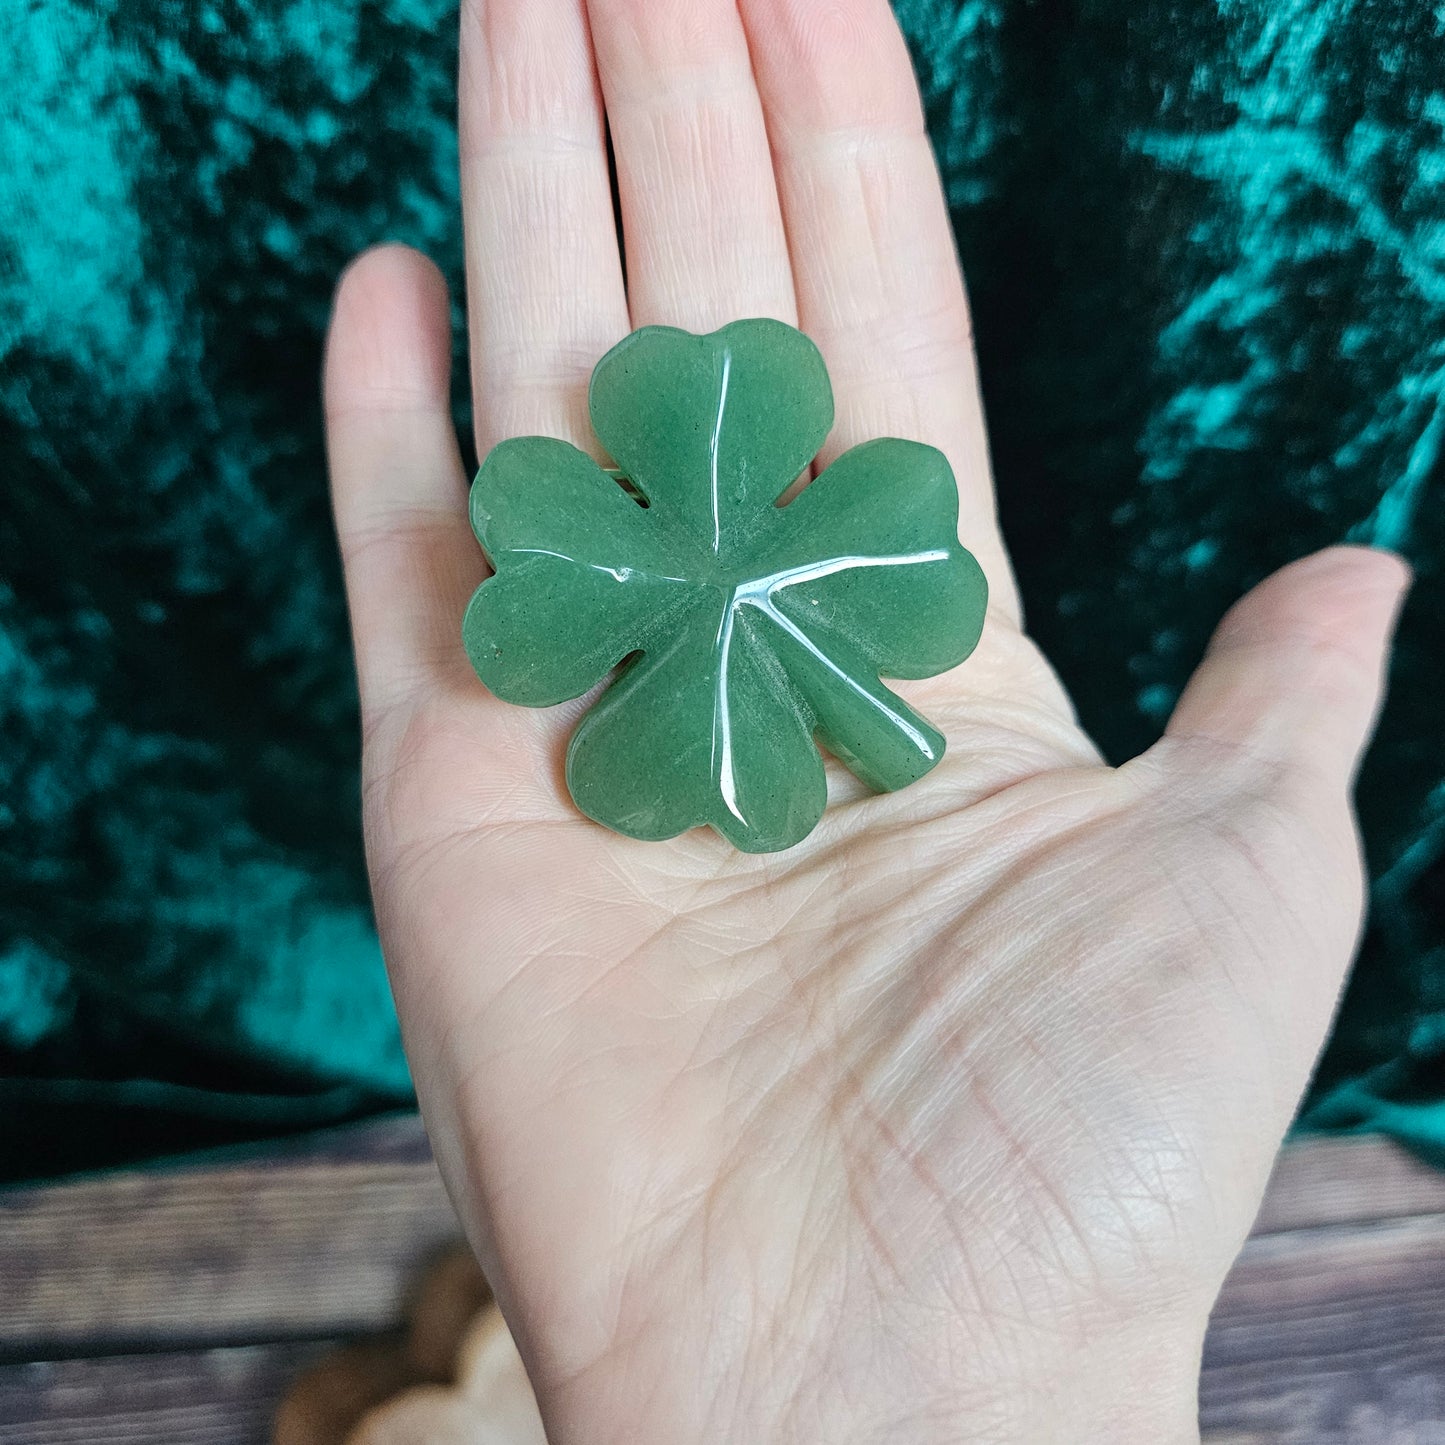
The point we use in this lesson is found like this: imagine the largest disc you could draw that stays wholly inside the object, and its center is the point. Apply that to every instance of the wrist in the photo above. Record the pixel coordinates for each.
(1139, 1386)
(1106, 1386)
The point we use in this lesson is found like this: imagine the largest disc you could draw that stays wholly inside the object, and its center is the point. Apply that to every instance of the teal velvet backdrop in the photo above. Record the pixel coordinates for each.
(1206, 242)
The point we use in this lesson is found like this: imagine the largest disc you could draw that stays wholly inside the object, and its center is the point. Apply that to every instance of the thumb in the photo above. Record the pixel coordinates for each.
(1296, 670)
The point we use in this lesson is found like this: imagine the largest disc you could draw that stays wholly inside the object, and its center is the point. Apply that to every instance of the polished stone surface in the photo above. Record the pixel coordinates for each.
(745, 629)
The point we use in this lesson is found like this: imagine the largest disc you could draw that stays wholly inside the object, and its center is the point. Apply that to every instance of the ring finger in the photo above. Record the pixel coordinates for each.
(544, 275)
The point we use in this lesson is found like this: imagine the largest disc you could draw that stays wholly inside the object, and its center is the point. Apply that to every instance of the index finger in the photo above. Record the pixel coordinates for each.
(878, 280)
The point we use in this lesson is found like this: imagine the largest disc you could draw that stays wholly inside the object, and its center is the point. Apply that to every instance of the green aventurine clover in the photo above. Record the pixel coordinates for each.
(745, 629)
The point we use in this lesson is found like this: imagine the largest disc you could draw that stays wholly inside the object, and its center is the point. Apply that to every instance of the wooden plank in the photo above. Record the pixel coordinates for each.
(1334, 1336)
(296, 1242)
(323, 1236)
(211, 1397)
(1331, 1329)
(1331, 1336)
(1321, 1181)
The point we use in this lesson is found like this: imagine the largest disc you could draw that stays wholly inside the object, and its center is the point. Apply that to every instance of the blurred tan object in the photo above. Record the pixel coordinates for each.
(452, 1294)
(428, 1415)
(325, 1404)
(490, 1372)
(328, 1402)
(491, 1404)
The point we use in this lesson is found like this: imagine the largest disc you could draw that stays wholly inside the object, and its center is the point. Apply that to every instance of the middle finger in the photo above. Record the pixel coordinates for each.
(702, 227)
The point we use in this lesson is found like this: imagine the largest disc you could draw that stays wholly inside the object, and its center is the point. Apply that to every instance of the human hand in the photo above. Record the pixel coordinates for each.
(947, 1123)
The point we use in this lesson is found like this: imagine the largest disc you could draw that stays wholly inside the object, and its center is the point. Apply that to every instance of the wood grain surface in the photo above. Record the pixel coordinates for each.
(205, 1397)
(175, 1305)
(321, 1241)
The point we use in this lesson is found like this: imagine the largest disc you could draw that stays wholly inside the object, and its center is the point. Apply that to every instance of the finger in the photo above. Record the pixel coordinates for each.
(1295, 673)
(701, 223)
(397, 485)
(544, 274)
(873, 254)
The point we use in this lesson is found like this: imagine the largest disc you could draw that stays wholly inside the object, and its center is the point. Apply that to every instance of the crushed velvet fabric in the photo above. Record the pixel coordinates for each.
(1206, 249)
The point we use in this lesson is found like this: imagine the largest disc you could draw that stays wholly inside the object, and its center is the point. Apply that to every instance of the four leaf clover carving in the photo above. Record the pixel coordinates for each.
(742, 630)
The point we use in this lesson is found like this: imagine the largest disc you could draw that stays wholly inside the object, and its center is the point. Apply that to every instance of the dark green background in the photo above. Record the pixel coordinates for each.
(1206, 243)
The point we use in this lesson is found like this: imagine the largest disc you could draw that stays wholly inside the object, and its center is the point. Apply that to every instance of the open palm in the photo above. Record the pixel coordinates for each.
(946, 1123)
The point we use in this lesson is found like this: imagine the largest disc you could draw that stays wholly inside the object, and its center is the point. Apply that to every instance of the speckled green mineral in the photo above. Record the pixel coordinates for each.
(745, 629)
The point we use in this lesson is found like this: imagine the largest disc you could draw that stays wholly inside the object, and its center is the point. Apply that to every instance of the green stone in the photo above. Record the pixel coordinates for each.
(743, 630)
